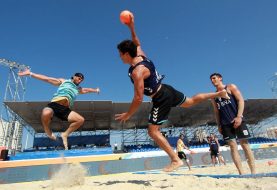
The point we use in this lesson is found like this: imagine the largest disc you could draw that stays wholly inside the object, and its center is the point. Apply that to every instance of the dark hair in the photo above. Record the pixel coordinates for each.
(128, 46)
(216, 74)
(79, 75)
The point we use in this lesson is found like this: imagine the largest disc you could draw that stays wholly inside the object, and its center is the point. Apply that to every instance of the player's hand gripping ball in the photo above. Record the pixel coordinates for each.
(125, 17)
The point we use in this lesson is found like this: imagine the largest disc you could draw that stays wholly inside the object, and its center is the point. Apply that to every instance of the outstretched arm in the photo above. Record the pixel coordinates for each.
(51, 80)
(89, 90)
(135, 38)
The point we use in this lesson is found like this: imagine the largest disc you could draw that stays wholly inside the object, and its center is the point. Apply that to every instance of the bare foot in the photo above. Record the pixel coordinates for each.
(173, 166)
(224, 94)
(53, 137)
(64, 138)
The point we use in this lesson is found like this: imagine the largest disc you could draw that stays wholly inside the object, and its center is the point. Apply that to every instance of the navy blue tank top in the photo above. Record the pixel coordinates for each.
(228, 109)
(152, 83)
(213, 145)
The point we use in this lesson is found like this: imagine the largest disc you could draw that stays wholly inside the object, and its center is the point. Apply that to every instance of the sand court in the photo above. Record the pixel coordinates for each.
(73, 177)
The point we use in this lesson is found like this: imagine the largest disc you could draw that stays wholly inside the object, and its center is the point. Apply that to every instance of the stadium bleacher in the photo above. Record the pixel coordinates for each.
(51, 152)
(192, 144)
(262, 140)
(141, 148)
(81, 141)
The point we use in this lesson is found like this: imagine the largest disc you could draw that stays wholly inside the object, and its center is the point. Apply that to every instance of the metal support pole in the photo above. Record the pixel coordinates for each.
(12, 125)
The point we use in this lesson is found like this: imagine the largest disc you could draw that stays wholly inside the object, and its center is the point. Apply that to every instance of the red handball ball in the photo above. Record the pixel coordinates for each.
(125, 17)
(270, 163)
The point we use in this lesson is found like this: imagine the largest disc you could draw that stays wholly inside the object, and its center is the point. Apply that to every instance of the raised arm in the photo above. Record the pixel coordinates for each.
(51, 80)
(135, 38)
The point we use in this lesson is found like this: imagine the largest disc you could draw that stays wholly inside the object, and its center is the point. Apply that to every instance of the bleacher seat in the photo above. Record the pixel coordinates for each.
(99, 140)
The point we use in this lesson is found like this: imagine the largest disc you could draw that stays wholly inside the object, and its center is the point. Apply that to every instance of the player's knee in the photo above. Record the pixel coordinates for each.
(245, 146)
(81, 120)
(152, 133)
(46, 113)
(243, 142)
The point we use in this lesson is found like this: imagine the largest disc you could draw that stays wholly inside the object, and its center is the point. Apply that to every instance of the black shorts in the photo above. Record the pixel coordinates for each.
(182, 155)
(229, 132)
(214, 153)
(60, 111)
(166, 98)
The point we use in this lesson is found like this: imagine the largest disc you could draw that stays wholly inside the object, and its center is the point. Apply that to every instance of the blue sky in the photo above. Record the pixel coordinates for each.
(187, 41)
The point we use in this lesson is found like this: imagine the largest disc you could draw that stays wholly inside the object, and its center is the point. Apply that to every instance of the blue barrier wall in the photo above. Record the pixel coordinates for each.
(44, 172)
(73, 140)
(61, 153)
